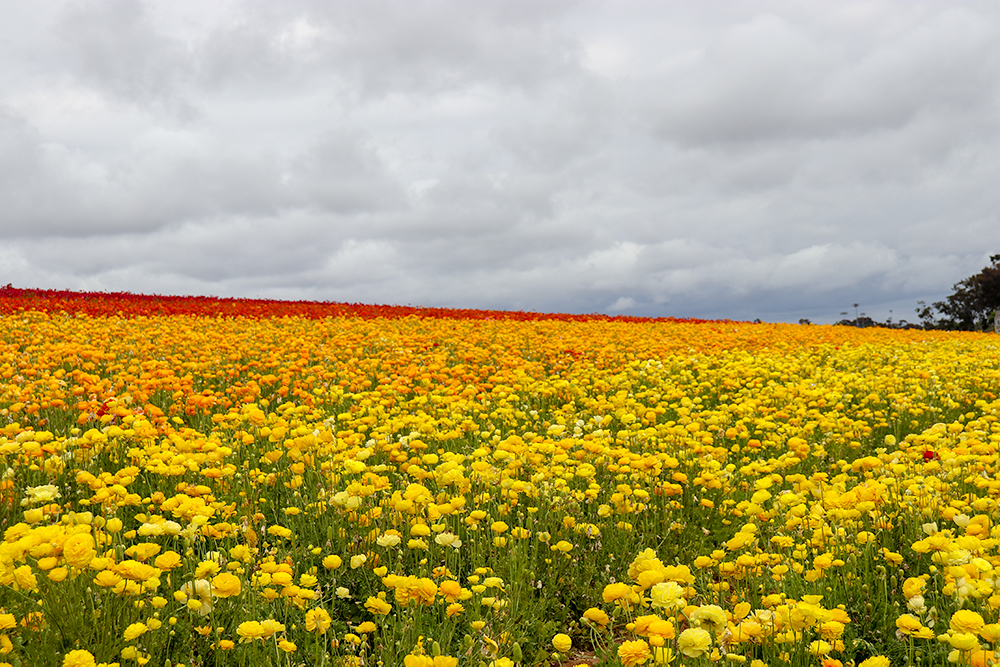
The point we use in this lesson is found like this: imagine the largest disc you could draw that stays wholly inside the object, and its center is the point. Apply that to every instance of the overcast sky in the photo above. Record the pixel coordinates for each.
(743, 159)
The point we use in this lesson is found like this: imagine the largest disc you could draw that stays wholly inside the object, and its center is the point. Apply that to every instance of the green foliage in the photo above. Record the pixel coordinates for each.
(971, 306)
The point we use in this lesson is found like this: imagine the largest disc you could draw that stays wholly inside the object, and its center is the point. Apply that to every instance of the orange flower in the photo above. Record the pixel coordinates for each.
(633, 653)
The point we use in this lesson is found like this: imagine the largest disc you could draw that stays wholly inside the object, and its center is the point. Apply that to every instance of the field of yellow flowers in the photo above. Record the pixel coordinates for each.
(206, 483)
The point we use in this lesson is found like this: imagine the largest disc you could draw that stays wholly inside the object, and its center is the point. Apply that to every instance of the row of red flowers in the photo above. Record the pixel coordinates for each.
(126, 304)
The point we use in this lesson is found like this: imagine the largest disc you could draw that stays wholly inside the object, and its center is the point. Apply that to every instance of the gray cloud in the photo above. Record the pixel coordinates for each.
(755, 159)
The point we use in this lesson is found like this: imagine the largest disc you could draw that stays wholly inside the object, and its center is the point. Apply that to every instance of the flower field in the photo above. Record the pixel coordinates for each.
(222, 482)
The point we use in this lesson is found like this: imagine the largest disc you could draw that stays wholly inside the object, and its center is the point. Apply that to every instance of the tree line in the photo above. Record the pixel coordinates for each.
(972, 306)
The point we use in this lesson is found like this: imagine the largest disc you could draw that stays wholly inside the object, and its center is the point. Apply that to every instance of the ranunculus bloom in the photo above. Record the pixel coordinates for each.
(693, 642)
(79, 658)
(598, 616)
(78, 550)
(249, 630)
(876, 661)
(377, 605)
(908, 623)
(912, 586)
(562, 643)
(450, 590)
(45, 493)
(633, 653)
(269, 626)
(167, 561)
(964, 641)
(711, 616)
(317, 620)
(819, 647)
(991, 633)
(25, 579)
(617, 591)
(667, 595)
(135, 630)
(966, 621)
(226, 585)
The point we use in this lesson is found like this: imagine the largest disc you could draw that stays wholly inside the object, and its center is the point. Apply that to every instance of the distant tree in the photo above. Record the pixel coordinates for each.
(971, 306)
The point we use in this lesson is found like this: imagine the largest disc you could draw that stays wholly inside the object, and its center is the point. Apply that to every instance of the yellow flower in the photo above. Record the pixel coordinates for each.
(634, 653)
(642, 624)
(876, 661)
(377, 606)
(450, 590)
(693, 642)
(912, 586)
(78, 550)
(819, 648)
(25, 579)
(617, 591)
(388, 540)
(135, 630)
(318, 620)
(34, 515)
(107, 578)
(562, 643)
(908, 624)
(226, 585)
(332, 562)
(250, 630)
(167, 561)
(269, 626)
(563, 546)
(966, 621)
(79, 658)
(963, 641)
(205, 569)
(667, 595)
(45, 493)
(711, 616)
(597, 616)
(990, 633)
